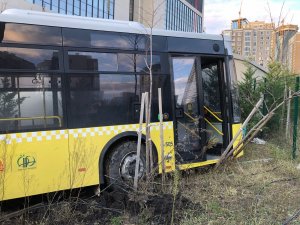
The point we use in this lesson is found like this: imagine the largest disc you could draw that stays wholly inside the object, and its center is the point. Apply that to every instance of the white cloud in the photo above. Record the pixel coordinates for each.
(218, 13)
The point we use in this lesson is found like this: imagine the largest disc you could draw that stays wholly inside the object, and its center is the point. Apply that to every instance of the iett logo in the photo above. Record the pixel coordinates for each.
(26, 162)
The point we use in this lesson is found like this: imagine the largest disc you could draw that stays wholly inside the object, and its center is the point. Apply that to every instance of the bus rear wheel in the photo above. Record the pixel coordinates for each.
(120, 166)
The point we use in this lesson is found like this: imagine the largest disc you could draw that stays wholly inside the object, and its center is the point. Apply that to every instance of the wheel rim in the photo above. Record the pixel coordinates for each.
(127, 167)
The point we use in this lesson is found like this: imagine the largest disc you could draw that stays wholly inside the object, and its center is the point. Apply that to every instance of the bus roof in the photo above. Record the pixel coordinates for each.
(55, 19)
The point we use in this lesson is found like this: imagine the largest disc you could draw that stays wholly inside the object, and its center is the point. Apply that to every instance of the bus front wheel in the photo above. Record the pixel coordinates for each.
(120, 166)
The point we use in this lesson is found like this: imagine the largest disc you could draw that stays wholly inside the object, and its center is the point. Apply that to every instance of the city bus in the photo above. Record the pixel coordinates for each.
(70, 100)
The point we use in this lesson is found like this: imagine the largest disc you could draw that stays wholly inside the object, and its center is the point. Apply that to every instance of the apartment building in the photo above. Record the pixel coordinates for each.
(252, 40)
(285, 45)
(294, 54)
(179, 15)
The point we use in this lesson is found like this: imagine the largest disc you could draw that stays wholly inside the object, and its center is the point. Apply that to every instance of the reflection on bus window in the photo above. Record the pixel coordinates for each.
(30, 102)
(30, 59)
(211, 86)
(234, 92)
(138, 63)
(111, 98)
(100, 39)
(93, 61)
(186, 94)
(105, 40)
(31, 34)
(103, 99)
(114, 62)
(184, 79)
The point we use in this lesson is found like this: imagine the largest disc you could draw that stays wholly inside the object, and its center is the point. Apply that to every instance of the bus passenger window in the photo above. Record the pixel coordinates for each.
(30, 102)
(32, 34)
(137, 63)
(117, 40)
(105, 40)
(29, 59)
(103, 99)
(93, 61)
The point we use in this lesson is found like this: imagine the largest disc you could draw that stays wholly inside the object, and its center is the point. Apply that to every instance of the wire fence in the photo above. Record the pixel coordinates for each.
(280, 90)
(287, 117)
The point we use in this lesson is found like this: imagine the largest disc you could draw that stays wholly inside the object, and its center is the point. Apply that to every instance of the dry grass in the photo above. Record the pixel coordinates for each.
(242, 192)
(246, 192)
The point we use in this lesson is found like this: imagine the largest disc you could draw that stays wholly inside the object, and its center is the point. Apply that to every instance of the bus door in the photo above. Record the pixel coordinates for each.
(215, 109)
(188, 123)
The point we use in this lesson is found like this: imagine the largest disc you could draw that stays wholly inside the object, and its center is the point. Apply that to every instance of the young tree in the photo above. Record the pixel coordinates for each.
(249, 93)
(273, 86)
(9, 101)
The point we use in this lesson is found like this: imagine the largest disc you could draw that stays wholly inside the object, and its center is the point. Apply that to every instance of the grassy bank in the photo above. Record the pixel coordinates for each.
(248, 191)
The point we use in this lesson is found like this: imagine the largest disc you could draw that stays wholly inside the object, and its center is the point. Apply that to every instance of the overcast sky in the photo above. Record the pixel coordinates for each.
(219, 13)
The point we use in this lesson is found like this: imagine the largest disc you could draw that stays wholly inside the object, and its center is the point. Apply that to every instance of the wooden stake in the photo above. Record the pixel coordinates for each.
(253, 129)
(269, 116)
(147, 135)
(258, 104)
(138, 151)
(161, 129)
(251, 134)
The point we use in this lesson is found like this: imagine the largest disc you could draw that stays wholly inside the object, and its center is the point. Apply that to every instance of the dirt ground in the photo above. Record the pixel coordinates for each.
(262, 187)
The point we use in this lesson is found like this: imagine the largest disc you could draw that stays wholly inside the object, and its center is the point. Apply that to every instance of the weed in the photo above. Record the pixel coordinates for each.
(116, 221)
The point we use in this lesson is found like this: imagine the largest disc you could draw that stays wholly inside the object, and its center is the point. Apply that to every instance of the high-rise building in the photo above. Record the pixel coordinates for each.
(294, 54)
(284, 38)
(252, 40)
(180, 15)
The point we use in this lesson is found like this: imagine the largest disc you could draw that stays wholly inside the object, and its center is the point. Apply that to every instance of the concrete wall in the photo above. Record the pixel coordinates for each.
(241, 67)
(122, 10)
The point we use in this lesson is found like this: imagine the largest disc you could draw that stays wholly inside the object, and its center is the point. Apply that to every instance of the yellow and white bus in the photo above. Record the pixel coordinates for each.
(70, 98)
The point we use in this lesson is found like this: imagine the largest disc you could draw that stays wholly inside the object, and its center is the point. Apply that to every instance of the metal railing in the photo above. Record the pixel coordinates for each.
(215, 128)
(206, 120)
(213, 114)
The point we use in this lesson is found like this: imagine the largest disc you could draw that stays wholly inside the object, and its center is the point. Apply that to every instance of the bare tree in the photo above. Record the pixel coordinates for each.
(150, 19)
(3, 5)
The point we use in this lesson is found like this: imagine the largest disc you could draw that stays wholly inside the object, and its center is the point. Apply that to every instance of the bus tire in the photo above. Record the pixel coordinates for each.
(120, 166)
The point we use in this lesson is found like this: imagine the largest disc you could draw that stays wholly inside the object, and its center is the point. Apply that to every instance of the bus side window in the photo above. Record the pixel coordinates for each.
(29, 59)
(102, 99)
(234, 92)
(104, 40)
(30, 101)
(31, 34)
